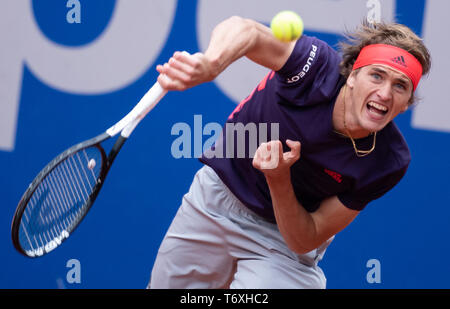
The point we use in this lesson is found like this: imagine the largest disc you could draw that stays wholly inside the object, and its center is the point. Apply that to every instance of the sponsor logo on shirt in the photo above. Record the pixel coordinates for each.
(336, 176)
(306, 67)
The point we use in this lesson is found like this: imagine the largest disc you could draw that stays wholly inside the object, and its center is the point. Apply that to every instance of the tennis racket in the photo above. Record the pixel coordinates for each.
(62, 193)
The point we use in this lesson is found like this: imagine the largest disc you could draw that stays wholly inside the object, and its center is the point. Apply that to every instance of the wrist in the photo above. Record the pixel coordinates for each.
(215, 62)
(278, 180)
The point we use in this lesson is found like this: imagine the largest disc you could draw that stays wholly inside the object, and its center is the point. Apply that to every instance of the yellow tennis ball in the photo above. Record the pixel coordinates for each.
(287, 26)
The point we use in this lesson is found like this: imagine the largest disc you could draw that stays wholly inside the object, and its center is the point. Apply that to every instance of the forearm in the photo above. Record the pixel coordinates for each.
(296, 225)
(230, 40)
(302, 231)
(237, 37)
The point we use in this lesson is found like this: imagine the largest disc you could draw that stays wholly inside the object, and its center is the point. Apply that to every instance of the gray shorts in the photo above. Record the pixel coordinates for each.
(215, 241)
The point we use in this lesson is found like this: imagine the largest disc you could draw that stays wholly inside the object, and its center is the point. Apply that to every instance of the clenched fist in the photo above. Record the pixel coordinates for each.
(270, 159)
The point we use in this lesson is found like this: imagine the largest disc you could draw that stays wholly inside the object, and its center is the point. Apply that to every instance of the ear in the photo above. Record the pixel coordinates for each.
(410, 102)
(405, 108)
(351, 80)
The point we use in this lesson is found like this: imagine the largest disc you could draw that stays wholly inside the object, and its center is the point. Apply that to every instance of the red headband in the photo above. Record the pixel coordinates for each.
(393, 56)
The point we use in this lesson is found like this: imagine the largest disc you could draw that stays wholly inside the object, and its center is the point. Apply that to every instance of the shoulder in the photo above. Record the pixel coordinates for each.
(382, 172)
(309, 55)
(311, 74)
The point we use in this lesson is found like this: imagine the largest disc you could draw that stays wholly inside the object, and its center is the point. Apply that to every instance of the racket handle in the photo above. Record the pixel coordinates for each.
(147, 103)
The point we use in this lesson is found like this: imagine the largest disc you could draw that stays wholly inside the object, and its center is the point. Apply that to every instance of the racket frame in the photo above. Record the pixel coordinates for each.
(15, 227)
(125, 126)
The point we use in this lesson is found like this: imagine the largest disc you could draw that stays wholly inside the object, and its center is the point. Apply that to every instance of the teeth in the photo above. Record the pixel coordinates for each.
(378, 106)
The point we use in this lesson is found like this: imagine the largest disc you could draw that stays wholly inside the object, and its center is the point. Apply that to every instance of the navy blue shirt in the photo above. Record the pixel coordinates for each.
(300, 97)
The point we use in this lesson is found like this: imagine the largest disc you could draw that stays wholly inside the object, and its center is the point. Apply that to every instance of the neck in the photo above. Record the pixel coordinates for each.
(343, 122)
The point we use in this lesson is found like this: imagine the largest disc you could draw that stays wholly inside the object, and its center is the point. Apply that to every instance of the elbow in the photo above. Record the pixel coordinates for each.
(299, 246)
(231, 39)
(303, 246)
(300, 250)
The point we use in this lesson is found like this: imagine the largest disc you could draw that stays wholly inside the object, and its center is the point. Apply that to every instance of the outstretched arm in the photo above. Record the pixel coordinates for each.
(232, 39)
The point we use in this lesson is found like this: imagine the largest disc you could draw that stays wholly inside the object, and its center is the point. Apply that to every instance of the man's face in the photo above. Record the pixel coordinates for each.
(379, 93)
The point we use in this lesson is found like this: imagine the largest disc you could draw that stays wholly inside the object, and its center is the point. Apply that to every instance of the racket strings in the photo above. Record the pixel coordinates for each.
(59, 201)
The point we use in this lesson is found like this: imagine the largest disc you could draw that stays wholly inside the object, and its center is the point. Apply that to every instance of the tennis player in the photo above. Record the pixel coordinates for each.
(265, 221)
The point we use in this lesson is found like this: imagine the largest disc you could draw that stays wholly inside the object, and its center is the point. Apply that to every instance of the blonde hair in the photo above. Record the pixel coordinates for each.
(383, 33)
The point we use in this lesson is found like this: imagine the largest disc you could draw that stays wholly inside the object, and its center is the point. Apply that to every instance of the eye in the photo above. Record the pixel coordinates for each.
(400, 86)
(376, 76)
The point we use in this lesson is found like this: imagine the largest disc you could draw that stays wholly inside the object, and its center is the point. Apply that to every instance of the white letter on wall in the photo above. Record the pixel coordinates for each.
(129, 45)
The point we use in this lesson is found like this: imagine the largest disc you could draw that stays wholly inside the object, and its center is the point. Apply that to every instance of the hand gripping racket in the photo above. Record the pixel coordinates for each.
(62, 193)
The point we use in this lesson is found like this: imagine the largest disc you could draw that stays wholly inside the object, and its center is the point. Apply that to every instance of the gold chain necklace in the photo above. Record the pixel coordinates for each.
(359, 153)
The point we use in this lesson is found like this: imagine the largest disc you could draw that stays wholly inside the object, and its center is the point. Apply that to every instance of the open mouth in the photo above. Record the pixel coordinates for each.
(377, 110)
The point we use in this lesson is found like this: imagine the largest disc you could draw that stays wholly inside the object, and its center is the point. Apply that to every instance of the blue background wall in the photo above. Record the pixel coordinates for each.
(406, 230)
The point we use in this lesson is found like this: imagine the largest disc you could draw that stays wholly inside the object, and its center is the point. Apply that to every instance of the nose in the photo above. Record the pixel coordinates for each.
(385, 92)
